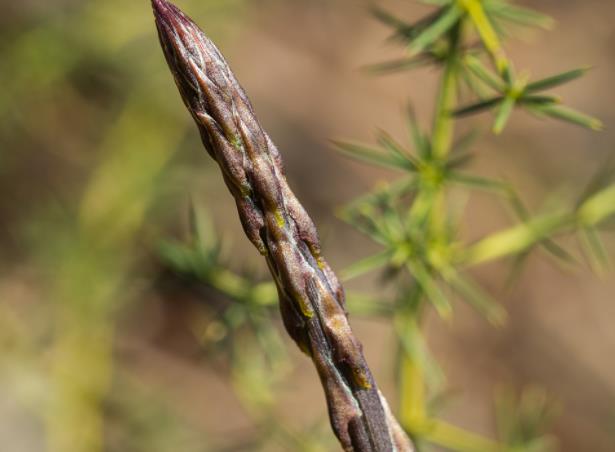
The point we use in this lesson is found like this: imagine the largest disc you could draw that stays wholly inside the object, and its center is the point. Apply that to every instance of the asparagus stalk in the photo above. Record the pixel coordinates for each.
(311, 297)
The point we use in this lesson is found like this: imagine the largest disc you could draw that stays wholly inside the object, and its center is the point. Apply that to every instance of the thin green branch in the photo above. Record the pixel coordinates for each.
(443, 128)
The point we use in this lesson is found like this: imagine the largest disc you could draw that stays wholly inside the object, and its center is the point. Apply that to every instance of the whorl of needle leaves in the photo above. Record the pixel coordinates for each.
(311, 298)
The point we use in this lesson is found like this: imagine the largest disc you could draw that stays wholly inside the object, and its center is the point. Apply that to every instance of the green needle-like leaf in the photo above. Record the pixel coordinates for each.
(484, 74)
(431, 289)
(480, 183)
(522, 421)
(478, 107)
(389, 143)
(387, 18)
(556, 80)
(595, 250)
(474, 295)
(404, 31)
(373, 156)
(567, 114)
(421, 142)
(503, 115)
(507, 12)
(367, 264)
(557, 251)
(401, 64)
(368, 306)
(538, 100)
(436, 30)
(473, 84)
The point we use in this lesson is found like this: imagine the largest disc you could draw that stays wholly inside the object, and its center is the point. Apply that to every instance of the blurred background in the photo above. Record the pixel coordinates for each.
(102, 348)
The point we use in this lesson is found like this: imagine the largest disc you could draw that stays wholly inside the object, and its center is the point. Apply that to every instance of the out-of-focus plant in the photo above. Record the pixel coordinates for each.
(79, 92)
(523, 419)
(415, 219)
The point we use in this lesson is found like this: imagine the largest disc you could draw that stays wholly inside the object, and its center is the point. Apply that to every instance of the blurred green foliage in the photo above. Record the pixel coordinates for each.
(416, 221)
(82, 88)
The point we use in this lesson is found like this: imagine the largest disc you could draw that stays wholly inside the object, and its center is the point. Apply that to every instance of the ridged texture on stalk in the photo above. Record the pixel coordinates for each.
(311, 298)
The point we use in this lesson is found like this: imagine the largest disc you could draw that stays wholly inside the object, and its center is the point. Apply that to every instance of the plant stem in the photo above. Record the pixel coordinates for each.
(410, 373)
(443, 128)
(412, 387)
(311, 298)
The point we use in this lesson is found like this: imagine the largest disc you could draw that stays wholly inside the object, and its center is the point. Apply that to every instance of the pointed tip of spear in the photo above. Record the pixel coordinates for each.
(160, 6)
(165, 11)
(170, 20)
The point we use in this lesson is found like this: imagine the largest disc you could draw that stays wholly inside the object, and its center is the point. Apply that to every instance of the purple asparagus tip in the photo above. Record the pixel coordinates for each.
(163, 13)
(160, 6)
(169, 15)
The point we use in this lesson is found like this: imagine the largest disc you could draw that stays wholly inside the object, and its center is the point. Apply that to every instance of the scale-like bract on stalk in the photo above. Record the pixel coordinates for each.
(311, 298)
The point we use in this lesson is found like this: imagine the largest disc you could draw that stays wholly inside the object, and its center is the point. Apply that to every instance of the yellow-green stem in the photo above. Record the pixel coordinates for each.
(411, 378)
(487, 33)
(443, 127)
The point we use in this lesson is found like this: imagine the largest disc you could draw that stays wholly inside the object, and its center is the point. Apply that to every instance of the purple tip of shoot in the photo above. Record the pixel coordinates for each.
(161, 7)
(167, 13)
(171, 21)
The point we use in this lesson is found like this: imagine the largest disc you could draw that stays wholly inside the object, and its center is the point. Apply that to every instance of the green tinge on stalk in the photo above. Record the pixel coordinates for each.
(311, 298)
